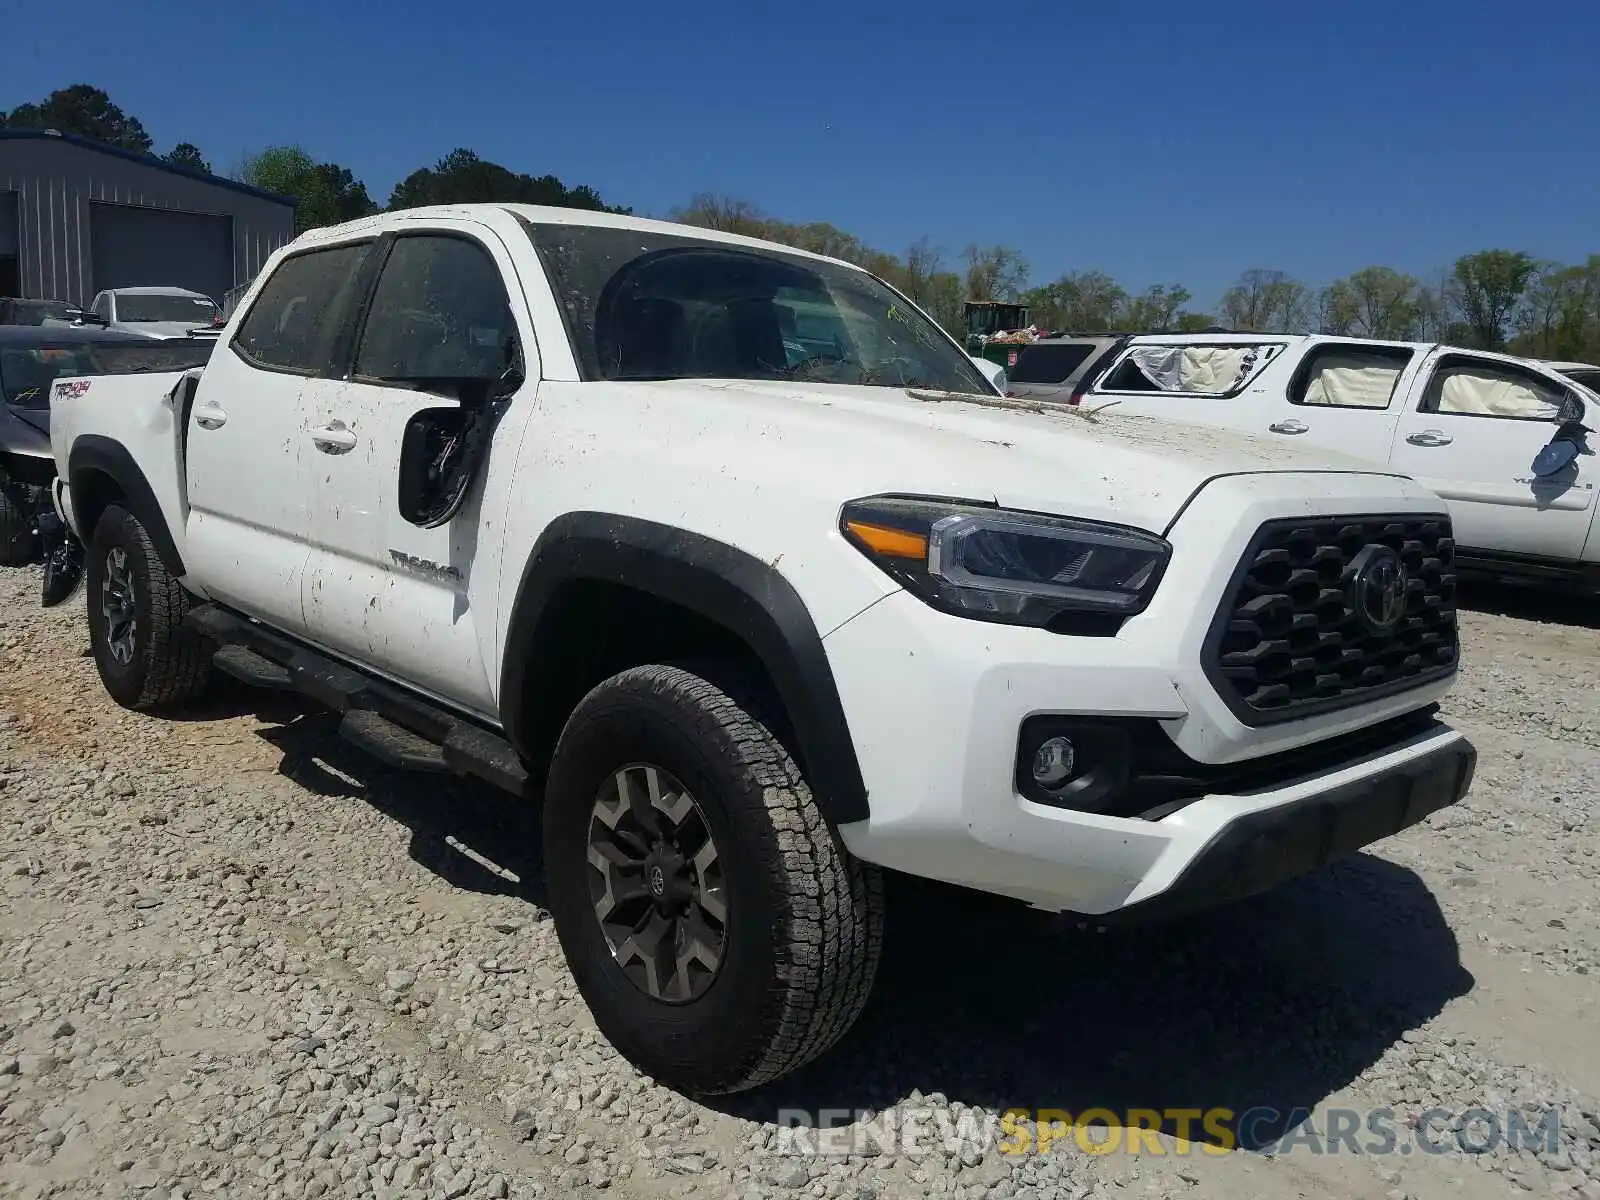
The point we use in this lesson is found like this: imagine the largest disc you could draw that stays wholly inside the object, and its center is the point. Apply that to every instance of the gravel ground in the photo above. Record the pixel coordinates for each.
(237, 959)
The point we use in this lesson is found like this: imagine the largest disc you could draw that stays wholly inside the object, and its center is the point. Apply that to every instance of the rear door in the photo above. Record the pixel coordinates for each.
(1208, 383)
(416, 602)
(1470, 432)
(247, 457)
(1344, 396)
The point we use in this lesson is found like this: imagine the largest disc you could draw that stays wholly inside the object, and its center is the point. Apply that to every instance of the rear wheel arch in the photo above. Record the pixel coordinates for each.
(601, 593)
(102, 472)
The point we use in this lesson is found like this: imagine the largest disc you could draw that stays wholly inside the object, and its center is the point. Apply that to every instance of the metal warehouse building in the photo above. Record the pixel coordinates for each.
(78, 217)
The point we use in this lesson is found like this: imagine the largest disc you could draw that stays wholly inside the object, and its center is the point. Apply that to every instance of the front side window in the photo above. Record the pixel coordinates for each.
(440, 312)
(1349, 376)
(1483, 389)
(1193, 369)
(643, 305)
(295, 320)
(136, 308)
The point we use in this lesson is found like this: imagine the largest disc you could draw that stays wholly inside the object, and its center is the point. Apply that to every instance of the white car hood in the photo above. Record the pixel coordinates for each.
(1137, 471)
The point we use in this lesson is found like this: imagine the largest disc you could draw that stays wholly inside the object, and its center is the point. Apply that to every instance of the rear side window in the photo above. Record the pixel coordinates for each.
(1050, 364)
(296, 319)
(1190, 369)
(439, 312)
(1349, 376)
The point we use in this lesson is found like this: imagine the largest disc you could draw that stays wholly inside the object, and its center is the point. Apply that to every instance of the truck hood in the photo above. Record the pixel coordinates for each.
(1134, 470)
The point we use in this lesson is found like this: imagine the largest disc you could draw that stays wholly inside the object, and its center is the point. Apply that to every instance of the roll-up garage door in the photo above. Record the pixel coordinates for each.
(155, 247)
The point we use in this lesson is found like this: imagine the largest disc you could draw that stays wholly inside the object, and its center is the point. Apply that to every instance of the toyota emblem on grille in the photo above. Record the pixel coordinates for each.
(1377, 591)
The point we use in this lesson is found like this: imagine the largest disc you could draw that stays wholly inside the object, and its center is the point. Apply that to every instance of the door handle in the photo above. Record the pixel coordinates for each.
(210, 417)
(334, 438)
(1289, 426)
(1429, 437)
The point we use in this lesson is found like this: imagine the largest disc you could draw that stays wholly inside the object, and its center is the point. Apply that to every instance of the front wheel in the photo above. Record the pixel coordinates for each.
(715, 924)
(146, 655)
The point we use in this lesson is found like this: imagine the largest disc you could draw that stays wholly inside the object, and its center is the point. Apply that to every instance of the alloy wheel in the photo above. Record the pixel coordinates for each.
(118, 608)
(657, 884)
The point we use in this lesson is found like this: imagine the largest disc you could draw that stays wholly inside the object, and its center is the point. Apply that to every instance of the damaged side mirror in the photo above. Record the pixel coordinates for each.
(443, 449)
(1566, 444)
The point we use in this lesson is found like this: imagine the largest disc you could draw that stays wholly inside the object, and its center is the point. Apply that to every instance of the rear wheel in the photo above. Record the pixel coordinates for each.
(146, 655)
(715, 924)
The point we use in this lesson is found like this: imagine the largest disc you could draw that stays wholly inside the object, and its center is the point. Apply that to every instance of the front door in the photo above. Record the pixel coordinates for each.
(1472, 435)
(413, 602)
(246, 457)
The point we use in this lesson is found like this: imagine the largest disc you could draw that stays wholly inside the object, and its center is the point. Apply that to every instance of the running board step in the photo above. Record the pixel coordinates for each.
(395, 725)
(257, 670)
(391, 743)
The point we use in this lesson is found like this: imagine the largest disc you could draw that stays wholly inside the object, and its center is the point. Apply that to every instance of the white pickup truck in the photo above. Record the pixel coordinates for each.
(1471, 426)
(756, 607)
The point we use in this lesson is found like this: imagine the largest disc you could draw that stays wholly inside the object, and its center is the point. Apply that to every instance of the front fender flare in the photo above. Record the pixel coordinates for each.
(719, 582)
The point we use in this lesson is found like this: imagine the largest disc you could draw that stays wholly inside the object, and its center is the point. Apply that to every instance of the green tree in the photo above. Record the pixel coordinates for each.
(187, 154)
(1488, 287)
(1266, 301)
(1560, 314)
(1193, 322)
(83, 110)
(1078, 302)
(995, 273)
(1155, 310)
(1375, 302)
(461, 177)
(328, 194)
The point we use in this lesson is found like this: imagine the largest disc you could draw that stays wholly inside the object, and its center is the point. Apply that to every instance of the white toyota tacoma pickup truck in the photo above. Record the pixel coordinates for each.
(727, 555)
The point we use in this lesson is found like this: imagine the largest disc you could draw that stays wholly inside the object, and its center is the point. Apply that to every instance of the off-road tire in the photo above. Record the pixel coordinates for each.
(171, 663)
(805, 918)
(19, 543)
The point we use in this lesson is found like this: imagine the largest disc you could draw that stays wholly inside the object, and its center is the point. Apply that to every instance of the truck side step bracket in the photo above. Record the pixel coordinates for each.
(257, 670)
(390, 743)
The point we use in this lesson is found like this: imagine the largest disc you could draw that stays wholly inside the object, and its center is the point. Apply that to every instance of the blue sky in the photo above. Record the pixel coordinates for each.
(1155, 141)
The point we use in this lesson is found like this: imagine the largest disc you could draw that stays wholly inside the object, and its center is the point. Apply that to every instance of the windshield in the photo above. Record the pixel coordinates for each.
(658, 306)
(191, 310)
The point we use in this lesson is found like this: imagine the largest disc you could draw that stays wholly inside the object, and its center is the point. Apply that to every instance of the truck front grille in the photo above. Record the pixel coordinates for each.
(1304, 630)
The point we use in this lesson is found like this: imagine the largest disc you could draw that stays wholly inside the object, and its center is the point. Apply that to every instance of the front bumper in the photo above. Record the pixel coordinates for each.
(936, 704)
(1260, 849)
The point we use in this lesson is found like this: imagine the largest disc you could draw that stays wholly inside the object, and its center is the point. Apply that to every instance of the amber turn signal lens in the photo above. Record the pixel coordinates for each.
(893, 543)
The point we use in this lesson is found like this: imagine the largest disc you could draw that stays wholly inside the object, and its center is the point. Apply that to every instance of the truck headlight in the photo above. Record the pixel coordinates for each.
(998, 565)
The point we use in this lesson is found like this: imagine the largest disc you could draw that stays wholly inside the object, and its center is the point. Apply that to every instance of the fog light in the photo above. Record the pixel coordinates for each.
(1053, 762)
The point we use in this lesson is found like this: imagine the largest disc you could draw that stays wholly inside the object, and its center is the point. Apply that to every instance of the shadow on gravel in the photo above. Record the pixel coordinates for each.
(467, 834)
(1275, 1002)
(1528, 603)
